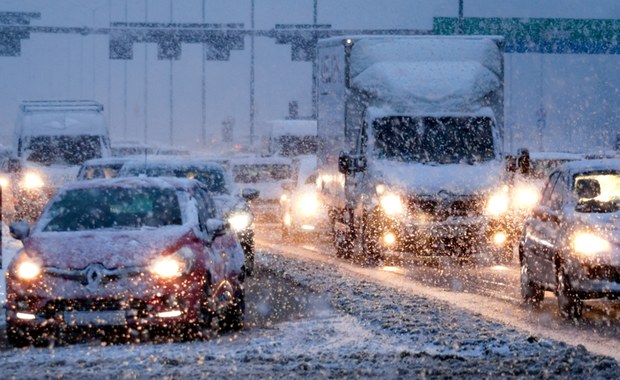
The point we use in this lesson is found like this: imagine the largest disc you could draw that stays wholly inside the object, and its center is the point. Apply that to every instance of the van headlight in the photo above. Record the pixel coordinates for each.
(174, 265)
(32, 180)
(497, 204)
(240, 221)
(590, 244)
(392, 204)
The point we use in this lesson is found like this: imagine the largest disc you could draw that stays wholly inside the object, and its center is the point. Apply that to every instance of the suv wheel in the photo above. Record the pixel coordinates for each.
(531, 292)
(569, 303)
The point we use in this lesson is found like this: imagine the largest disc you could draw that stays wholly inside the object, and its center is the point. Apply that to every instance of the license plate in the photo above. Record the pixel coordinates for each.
(95, 318)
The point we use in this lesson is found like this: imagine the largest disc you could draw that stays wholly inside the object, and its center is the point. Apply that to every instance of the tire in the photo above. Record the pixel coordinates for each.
(206, 325)
(531, 292)
(371, 247)
(23, 337)
(569, 303)
(342, 241)
(248, 252)
(234, 317)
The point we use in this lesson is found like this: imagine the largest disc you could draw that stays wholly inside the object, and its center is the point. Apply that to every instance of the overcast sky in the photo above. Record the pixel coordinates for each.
(578, 93)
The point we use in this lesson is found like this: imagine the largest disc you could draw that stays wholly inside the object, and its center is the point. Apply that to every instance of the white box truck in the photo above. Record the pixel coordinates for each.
(410, 156)
(52, 138)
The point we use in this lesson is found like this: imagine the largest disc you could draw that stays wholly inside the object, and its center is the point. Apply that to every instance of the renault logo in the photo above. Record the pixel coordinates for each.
(94, 274)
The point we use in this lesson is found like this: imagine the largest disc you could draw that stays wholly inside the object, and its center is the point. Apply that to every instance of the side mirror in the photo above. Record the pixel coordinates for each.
(216, 227)
(344, 163)
(14, 165)
(348, 164)
(249, 194)
(19, 230)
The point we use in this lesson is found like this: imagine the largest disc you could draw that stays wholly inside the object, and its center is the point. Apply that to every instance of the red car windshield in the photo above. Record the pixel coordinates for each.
(113, 207)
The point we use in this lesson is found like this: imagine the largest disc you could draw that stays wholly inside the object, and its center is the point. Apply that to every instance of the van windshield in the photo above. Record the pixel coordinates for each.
(62, 150)
(442, 140)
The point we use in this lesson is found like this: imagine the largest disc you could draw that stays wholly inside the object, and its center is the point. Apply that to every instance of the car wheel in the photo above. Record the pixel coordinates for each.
(23, 336)
(531, 292)
(342, 241)
(207, 325)
(569, 303)
(235, 315)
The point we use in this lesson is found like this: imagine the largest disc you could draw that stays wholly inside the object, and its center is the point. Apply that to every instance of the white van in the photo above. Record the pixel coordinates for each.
(52, 139)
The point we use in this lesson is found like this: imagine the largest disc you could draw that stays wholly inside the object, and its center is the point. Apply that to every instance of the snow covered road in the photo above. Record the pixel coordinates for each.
(312, 318)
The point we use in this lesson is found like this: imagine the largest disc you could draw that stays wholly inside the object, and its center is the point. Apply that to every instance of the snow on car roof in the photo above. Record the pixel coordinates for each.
(582, 166)
(555, 156)
(176, 162)
(135, 182)
(112, 160)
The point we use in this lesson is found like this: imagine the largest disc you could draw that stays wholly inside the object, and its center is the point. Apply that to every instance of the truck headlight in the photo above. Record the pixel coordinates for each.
(240, 221)
(392, 204)
(4, 182)
(525, 197)
(175, 265)
(32, 180)
(497, 204)
(590, 244)
(308, 204)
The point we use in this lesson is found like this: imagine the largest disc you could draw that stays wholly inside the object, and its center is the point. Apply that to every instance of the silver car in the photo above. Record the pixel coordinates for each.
(571, 241)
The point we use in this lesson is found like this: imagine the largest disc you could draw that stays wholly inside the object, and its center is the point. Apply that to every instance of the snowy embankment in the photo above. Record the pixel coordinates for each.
(347, 328)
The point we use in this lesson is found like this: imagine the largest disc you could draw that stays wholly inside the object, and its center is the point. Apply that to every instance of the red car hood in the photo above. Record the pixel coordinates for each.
(113, 249)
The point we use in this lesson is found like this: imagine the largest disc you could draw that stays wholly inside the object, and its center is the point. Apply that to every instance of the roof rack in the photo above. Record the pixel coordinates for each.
(62, 105)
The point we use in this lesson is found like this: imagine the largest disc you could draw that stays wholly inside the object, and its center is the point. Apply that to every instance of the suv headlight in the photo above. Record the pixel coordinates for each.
(174, 265)
(590, 244)
(32, 180)
(392, 204)
(239, 221)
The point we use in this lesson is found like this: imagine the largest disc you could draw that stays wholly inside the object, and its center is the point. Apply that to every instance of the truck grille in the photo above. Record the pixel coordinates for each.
(441, 207)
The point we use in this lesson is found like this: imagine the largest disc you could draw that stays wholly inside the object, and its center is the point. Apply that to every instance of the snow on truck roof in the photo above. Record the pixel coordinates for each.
(457, 85)
(368, 50)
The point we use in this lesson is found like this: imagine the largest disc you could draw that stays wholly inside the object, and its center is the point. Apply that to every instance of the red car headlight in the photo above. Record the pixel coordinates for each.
(174, 265)
(27, 268)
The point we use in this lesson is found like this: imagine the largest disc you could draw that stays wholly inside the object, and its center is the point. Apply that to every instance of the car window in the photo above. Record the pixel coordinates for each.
(557, 195)
(206, 208)
(546, 195)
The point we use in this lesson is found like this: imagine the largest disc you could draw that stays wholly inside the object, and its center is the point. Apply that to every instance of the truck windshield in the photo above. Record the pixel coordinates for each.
(62, 150)
(443, 140)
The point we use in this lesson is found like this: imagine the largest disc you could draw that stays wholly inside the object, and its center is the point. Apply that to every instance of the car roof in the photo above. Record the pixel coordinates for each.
(260, 160)
(584, 166)
(175, 162)
(555, 156)
(111, 160)
(134, 182)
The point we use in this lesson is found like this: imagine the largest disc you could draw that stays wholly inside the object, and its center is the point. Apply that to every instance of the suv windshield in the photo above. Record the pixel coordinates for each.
(602, 195)
(62, 150)
(443, 140)
(96, 208)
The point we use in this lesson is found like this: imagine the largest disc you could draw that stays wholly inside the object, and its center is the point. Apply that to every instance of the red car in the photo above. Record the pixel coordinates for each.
(134, 253)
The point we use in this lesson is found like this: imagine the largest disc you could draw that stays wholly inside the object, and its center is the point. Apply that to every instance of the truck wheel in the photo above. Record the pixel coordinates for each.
(371, 246)
(569, 303)
(531, 292)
